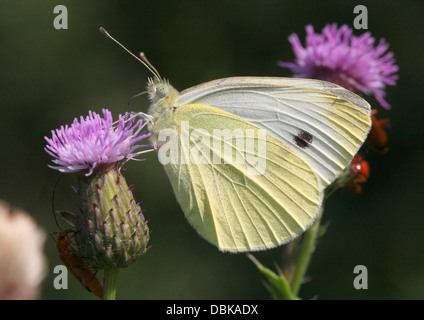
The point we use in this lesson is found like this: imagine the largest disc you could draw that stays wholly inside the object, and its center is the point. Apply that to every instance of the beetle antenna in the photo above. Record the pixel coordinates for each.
(53, 209)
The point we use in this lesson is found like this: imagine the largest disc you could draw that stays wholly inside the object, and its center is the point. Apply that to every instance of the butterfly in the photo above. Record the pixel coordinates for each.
(249, 158)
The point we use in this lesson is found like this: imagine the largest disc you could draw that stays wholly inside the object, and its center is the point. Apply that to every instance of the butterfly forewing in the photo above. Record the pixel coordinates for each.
(321, 122)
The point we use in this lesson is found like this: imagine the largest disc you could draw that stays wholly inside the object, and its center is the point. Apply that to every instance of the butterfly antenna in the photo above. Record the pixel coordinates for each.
(144, 61)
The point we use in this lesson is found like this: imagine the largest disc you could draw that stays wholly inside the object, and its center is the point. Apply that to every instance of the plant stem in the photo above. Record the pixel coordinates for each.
(109, 283)
(305, 254)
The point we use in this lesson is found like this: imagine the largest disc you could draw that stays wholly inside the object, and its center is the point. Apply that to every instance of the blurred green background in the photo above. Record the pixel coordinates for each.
(50, 76)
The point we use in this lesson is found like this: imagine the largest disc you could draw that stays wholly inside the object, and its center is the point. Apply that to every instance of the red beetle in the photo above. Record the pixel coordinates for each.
(377, 138)
(76, 264)
(72, 261)
(360, 171)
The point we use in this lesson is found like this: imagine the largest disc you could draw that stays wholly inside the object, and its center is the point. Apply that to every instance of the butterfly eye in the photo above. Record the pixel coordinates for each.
(162, 90)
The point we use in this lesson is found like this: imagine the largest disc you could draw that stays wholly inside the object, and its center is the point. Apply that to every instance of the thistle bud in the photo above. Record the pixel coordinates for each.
(110, 227)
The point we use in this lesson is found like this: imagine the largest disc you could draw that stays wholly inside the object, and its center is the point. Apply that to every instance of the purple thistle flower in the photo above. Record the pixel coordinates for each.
(94, 142)
(338, 56)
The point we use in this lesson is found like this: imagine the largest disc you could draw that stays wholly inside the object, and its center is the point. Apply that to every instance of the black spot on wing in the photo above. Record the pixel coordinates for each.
(303, 139)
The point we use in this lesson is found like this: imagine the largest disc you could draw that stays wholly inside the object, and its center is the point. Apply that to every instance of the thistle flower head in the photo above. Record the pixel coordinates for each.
(110, 228)
(93, 142)
(336, 55)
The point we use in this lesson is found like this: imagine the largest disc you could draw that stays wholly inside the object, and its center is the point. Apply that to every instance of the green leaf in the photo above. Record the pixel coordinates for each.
(277, 284)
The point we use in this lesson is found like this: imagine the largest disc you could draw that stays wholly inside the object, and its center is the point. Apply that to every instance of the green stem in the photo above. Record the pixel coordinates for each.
(109, 283)
(305, 254)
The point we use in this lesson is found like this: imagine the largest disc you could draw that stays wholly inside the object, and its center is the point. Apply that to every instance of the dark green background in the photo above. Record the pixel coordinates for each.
(50, 76)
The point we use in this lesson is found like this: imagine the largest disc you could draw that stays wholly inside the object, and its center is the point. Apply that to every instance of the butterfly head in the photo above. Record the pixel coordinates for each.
(163, 104)
(159, 89)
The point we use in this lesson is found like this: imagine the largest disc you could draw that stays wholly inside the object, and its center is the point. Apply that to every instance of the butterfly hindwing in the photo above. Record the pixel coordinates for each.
(245, 199)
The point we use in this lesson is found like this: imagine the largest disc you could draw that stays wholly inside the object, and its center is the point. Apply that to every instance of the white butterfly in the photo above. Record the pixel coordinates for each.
(313, 130)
